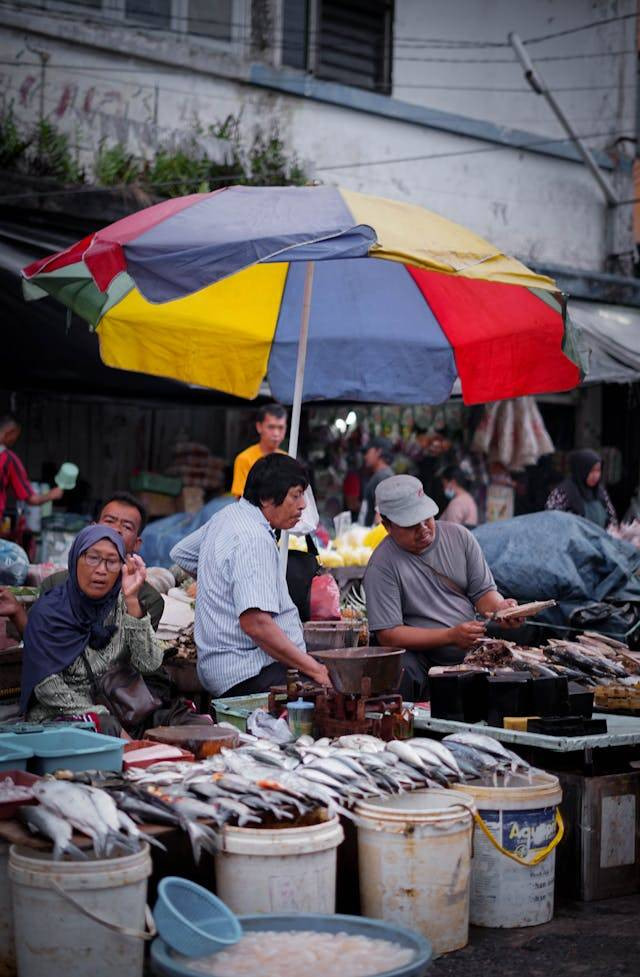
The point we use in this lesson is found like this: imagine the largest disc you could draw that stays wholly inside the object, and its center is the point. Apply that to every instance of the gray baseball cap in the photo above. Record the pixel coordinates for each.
(402, 499)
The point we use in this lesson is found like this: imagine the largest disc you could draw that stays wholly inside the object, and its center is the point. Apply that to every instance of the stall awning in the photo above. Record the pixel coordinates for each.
(613, 334)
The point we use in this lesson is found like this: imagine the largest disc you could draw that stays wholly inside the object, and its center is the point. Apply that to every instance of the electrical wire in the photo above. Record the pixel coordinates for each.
(121, 69)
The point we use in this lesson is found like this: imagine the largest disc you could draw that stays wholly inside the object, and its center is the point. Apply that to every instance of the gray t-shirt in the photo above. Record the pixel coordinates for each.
(401, 588)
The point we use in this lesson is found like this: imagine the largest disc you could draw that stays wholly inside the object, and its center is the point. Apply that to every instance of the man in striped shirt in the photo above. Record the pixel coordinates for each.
(247, 628)
(12, 472)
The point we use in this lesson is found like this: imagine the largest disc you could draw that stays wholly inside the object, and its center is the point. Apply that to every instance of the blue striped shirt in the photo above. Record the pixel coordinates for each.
(238, 568)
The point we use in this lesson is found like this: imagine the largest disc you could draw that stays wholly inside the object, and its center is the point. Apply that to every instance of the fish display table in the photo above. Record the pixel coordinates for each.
(622, 731)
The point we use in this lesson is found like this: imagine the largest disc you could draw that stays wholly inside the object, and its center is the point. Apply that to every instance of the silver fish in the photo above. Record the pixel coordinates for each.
(130, 828)
(362, 742)
(434, 749)
(42, 821)
(406, 754)
(72, 803)
(486, 744)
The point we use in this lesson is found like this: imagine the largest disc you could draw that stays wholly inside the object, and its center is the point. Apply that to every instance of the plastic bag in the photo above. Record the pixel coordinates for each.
(325, 598)
(266, 727)
(309, 520)
(14, 564)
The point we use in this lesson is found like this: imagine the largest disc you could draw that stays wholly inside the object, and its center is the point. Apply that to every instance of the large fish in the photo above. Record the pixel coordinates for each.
(40, 820)
(74, 804)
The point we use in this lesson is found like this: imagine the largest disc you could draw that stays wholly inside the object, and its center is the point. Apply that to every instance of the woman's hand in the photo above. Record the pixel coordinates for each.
(134, 574)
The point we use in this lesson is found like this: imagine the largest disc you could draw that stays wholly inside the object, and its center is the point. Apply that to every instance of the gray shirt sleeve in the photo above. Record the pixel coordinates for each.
(479, 577)
(384, 601)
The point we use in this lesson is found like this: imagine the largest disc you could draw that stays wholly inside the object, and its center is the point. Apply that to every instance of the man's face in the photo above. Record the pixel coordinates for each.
(414, 539)
(10, 434)
(272, 432)
(286, 515)
(371, 458)
(125, 519)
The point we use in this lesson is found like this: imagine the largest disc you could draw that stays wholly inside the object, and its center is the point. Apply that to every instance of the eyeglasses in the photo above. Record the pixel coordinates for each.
(112, 563)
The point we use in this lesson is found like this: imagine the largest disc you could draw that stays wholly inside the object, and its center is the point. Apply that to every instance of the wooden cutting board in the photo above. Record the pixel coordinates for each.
(202, 741)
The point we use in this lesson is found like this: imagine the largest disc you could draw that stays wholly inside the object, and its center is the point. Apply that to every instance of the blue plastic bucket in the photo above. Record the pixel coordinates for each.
(165, 964)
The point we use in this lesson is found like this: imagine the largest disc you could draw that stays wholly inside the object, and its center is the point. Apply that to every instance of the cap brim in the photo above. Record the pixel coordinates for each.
(419, 510)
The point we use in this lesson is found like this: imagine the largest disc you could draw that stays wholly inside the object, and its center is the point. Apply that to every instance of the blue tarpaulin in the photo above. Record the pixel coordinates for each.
(559, 556)
(160, 536)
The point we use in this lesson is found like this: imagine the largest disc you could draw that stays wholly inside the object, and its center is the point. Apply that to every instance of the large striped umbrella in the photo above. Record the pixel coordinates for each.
(360, 297)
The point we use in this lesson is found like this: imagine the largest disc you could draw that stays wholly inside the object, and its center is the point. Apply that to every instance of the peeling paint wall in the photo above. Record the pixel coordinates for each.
(145, 90)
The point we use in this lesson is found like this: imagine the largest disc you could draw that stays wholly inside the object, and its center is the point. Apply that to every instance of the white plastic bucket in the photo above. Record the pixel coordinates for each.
(7, 945)
(524, 821)
(56, 906)
(279, 870)
(414, 858)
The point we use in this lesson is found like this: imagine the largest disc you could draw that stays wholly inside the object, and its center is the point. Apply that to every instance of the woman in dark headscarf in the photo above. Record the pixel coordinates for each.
(583, 492)
(94, 615)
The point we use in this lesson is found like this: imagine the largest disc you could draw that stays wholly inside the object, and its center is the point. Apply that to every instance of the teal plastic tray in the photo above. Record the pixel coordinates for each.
(67, 749)
(14, 757)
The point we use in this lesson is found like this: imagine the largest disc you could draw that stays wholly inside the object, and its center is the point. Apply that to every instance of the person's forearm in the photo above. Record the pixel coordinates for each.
(41, 498)
(262, 629)
(133, 607)
(19, 620)
(414, 639)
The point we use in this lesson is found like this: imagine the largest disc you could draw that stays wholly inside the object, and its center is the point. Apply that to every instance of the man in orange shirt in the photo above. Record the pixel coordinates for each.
(271, 425)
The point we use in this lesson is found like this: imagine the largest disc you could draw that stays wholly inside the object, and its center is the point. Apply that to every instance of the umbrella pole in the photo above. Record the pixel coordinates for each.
(296, 407)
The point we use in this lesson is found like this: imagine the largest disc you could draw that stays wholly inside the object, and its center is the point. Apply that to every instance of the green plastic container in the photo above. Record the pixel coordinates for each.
(151, 482)
(237, 709)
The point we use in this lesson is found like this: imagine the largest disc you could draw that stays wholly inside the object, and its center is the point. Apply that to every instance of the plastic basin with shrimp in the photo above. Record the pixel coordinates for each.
(164, 962)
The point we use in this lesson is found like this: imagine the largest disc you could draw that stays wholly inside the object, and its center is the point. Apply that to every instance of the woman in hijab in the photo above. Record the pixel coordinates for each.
(583, 492)
(95, 614)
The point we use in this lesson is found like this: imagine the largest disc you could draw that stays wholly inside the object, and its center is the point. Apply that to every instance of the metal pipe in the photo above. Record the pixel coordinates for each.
(538, 85)
(296, 407)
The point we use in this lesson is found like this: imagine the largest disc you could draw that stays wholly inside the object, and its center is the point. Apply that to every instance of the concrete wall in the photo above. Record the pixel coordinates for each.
(142, 88)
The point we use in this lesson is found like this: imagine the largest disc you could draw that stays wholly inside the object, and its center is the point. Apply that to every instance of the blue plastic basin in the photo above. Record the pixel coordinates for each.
(165, 964)
(68, 749)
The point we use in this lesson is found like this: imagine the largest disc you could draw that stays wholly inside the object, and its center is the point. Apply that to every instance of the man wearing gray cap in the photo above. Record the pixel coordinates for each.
(425, 583)
(377, 460)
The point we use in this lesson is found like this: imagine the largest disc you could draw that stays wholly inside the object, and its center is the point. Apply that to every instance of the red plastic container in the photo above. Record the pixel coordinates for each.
(185, 755)
(21, 779)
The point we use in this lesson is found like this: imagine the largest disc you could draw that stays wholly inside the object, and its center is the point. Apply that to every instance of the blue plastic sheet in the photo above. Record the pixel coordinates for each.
(160, 536)
(559, 556)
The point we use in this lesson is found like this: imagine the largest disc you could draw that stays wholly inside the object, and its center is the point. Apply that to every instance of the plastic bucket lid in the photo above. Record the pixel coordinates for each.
(420, 807)
(281, 842)
(37, 868)
(517, 792)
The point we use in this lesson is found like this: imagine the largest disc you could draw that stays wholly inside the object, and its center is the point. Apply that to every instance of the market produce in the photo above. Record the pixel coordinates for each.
(261, 954)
